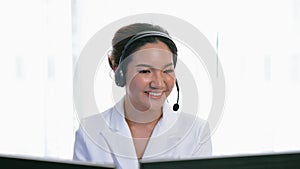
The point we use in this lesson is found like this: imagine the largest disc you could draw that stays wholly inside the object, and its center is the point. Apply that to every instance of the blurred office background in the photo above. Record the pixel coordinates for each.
(259, 49)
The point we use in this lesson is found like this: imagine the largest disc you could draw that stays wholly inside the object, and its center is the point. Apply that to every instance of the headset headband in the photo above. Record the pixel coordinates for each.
(142, 35)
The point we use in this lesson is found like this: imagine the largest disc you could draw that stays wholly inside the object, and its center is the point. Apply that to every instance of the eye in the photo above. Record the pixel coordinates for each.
(168, 71)
(144, 71)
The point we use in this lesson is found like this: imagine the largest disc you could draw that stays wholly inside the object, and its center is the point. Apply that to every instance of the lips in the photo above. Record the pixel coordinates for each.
(154, 94)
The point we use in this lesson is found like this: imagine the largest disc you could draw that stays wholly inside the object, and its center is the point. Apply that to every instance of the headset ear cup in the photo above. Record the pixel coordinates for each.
(119, 78)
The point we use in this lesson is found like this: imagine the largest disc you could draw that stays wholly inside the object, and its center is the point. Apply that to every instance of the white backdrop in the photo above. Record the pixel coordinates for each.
(258, 49)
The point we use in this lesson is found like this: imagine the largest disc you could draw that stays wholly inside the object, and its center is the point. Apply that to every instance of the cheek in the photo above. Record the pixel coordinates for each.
(171, 82)
(136, 84)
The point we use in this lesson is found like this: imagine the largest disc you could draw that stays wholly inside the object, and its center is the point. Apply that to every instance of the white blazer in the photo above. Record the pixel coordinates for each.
(106, 139)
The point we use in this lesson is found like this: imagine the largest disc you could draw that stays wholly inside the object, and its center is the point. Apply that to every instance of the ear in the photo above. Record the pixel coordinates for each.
(112, 65)
(114, 68)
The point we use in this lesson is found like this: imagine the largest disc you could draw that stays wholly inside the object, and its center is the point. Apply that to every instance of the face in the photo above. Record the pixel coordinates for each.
(150, 76)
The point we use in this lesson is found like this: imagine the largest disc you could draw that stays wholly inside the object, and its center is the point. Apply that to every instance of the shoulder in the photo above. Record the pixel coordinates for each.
(90, 129)
(192, 119)
(97, 122)
(195, 125)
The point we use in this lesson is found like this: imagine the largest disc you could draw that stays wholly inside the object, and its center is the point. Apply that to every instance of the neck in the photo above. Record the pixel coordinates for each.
(150, 124)
(134, 115)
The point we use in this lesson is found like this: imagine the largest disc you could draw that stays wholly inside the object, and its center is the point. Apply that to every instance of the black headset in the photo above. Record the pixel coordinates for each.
(120, 79)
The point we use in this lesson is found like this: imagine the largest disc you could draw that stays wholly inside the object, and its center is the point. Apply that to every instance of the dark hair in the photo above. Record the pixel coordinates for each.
(124, 34)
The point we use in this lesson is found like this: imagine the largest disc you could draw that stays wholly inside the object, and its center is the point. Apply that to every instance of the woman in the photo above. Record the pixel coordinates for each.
(141, 126)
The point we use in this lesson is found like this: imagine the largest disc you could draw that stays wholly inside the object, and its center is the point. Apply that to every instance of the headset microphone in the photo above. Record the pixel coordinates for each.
(176, 105)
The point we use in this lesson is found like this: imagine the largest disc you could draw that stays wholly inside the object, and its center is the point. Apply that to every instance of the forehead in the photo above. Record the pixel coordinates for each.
(154, 54)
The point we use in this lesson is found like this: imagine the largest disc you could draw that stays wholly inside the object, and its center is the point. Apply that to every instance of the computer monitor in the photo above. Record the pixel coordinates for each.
(16, 162)
(263, 161)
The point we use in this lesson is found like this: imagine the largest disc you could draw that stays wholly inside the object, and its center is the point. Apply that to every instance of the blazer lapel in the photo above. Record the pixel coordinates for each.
(167, 133)
(118, 138)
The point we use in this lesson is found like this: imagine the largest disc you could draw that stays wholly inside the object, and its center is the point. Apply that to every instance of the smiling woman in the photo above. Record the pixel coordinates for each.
(142, 126)
(151, 78)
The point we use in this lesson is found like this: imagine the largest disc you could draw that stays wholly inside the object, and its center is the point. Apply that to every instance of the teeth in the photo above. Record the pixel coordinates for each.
(155, 94)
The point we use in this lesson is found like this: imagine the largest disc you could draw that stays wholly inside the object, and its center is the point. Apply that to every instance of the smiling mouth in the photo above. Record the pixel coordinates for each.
(154, 94)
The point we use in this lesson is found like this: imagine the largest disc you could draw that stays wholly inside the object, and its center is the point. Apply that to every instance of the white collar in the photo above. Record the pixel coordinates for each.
(166, 133)
(117, 123)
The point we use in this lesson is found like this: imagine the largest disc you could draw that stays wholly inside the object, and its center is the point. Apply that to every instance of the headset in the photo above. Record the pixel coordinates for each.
(120, 79)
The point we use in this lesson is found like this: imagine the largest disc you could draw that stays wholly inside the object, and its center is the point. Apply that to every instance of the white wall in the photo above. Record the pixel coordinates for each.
(258, 49)
(259, 54)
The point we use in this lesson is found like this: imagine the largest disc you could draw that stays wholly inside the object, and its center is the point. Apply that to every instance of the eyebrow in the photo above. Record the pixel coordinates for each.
(145, 65)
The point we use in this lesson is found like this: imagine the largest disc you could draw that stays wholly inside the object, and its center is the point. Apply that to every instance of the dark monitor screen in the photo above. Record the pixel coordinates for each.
(264, 161)
(11, 162)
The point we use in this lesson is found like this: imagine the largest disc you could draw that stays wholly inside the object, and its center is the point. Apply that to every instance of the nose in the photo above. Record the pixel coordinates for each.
(157, 81)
